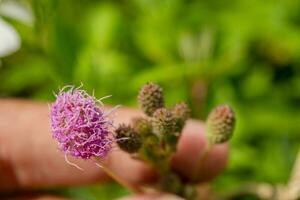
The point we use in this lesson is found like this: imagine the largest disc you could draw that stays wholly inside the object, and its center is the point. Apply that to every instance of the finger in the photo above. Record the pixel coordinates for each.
(190, 150)
(29, 157)
(153, 197)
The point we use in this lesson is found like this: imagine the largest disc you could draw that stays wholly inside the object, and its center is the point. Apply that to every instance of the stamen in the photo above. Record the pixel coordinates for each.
(112, 110)
(72, 164)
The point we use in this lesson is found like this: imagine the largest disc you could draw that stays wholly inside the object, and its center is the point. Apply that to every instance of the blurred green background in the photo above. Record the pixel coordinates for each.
(244, 53)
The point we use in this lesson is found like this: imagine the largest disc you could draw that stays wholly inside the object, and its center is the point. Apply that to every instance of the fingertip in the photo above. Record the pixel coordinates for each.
(215, 163)
(191, 143)
(190, 148)
(136, 172)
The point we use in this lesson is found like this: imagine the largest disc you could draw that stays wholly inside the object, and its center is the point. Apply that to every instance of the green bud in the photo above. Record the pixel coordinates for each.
(190, 192)
(171, 183)
(128, 139)
(220, 124)
(151, 98)
(181, 113)
(142, 126)
(151, 150)
(163, 122)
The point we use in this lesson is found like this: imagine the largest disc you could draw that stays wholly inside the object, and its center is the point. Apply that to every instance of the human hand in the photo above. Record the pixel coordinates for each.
(29, 159)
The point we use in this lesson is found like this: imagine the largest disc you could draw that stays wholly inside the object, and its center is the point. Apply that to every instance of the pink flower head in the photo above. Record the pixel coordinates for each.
(79, 125)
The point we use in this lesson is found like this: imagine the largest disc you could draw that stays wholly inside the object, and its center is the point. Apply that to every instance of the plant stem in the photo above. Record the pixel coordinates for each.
(202, 159)
(117, 178)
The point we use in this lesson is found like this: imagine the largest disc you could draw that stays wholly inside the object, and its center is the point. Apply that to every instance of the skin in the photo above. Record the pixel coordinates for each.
(30, 160)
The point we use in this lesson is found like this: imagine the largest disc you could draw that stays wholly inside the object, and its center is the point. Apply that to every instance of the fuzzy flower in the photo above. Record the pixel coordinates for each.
(79, 125)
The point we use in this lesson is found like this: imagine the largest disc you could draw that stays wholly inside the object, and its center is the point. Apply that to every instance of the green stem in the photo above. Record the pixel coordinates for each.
(202, 159)
(119, 179)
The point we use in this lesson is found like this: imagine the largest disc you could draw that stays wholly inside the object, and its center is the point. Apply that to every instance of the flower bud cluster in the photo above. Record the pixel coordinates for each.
(164, 121)
(159, 130)
(82, 129)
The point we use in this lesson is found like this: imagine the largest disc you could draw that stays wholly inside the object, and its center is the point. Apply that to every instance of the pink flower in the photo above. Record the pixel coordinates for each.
(79, 125)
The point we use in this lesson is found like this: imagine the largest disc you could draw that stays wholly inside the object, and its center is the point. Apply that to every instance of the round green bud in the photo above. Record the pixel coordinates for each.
(142, 126)
(220, 124)
(128, 139)
(181, 113)
(171, 183)
(163, 122)
(190, 192)
(151, 98)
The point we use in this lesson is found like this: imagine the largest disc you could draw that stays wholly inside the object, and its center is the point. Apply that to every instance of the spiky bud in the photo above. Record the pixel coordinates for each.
(128, 139)
(142, 126)
(163, 122)
(181, 113)
(151, 98)
(220, 124)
